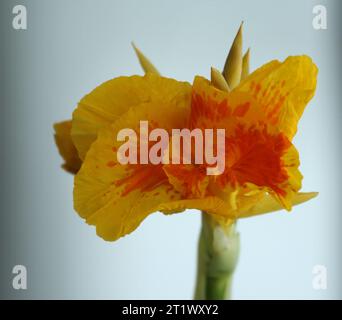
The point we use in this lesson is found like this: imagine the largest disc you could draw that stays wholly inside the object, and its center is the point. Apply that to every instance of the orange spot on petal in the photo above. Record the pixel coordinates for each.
(111, 164)
(241, 109)
(142, 177)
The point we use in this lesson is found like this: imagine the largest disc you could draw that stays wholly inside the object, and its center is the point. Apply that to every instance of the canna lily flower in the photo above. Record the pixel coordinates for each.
(259, 112)
(260, 117)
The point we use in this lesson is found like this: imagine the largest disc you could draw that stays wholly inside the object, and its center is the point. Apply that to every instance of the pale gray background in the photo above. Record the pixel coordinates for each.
(72, 46)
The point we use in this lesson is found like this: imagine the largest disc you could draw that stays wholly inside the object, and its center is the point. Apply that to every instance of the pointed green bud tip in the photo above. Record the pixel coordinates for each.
(245, 65)
(218, 81)
(144, 62)
(233, 65)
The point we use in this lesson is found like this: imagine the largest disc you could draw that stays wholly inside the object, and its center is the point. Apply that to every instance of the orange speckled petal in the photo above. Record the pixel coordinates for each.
(265, 160)
(116, 197)
(213, 108)
(283, 91)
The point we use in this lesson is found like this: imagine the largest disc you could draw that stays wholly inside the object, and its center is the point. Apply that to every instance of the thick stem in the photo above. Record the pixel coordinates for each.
(218, 253)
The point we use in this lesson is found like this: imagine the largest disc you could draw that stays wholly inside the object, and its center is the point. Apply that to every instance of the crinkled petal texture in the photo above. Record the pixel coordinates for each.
(117, 197)
(112, 99)
(282, 91)
(261, 164)
(260, 119)
(66, 148)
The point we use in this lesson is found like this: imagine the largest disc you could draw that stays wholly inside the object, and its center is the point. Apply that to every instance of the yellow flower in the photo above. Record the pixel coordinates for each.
(260, 116)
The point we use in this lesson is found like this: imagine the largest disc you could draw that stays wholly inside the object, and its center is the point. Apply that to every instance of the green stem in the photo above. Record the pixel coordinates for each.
(218, 253)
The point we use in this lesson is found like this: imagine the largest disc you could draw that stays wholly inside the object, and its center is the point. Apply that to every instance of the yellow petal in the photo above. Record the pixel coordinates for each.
(66, 147)
(269, 204)
(116, 197)
(259, 74)
(212, 205)
(294, 179)
(144, 62)
(254, 153)
(233, 66)
(245, 65)
(111, 99)
(214, 108)
(218, 81)
(283, 90)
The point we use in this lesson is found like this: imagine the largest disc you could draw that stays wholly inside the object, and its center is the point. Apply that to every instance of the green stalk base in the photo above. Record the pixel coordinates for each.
(218, 253)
